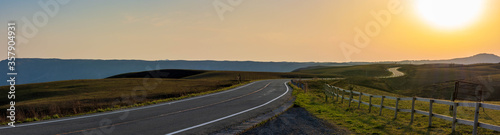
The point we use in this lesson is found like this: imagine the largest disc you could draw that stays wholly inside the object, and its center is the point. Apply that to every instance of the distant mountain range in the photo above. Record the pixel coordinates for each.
(34, 70)
(478, 58)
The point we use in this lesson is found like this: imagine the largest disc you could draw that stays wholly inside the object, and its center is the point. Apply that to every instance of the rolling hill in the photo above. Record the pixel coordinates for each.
(34, 70)
(478, 58)
(425, 80)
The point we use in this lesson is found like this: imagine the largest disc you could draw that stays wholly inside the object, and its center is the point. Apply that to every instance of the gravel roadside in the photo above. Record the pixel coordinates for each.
(296, 121)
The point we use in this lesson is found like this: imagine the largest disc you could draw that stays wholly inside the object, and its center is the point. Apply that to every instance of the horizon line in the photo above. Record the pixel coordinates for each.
(257, 60)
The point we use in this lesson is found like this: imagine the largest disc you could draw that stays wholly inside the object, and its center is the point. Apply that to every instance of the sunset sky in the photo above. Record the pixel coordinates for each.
(257, 30)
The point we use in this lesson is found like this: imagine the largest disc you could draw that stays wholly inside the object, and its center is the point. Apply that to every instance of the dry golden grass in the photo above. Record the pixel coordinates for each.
(36, 101)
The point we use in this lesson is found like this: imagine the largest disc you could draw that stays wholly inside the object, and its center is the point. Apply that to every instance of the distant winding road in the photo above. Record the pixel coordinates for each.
(395, 73)
(196, 115)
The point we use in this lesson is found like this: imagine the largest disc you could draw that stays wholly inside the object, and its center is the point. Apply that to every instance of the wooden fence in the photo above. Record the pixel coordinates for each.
(301, 84)
(336, 92)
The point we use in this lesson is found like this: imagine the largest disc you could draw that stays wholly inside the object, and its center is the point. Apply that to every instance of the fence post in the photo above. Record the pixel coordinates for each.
(333, 94)
(359, 103)
(370, 104)
(350, 97)
(476, 118)
(337, 91)
(412, 109)
(396, 112)
(338, 94)
(326, 96)
(454, 122)
(342, 100)
(306, 88)
(430, 112)
(381, 105)
(327, 92)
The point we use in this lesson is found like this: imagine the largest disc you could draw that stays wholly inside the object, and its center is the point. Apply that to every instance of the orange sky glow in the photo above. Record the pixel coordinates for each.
(257, 30)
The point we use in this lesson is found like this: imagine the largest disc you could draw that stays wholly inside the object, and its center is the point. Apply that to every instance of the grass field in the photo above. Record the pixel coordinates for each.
(75, 97)
(61, 98)
(360, 121)
(437, 80)
(430, 80)
(375, 70)
(219, 75)
(225, 75)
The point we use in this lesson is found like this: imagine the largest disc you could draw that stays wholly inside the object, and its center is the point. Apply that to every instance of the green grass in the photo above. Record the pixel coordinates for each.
(109, 89)
(374, 70)
(437, 80)
(218, 75)
(224, 75)
(430, 80)
(360, 121)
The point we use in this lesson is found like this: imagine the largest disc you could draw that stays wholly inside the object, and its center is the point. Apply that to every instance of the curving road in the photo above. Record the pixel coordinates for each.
(395, 72)
(196, 115)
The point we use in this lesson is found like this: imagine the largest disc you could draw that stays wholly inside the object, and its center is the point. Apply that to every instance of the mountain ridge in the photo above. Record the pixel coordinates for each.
(477, 58)
(36, 70)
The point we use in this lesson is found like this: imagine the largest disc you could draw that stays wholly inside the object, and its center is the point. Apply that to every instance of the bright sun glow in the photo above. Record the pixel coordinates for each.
(450, 14)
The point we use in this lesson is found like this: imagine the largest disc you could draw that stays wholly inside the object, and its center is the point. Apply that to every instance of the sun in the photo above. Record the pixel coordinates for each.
(449, 14)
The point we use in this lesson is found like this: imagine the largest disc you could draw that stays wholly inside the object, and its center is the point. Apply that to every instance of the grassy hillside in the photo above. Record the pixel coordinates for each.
(42, 100)
(360, 121)
(225, 75)
(217, 75)
(437, 80)
(374, 70)
(165, 73)
(429, 80)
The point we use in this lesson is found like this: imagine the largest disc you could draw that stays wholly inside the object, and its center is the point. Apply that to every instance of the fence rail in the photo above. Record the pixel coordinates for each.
(336, 92)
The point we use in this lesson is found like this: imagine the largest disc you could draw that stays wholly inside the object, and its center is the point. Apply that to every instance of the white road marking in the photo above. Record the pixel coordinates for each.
(219, 119)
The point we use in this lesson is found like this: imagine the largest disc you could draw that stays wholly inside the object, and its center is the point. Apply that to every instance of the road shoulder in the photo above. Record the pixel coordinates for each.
(297, 120)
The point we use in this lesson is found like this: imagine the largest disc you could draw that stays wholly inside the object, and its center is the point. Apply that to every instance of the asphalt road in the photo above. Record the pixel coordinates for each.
(395, 72)
(196, 115)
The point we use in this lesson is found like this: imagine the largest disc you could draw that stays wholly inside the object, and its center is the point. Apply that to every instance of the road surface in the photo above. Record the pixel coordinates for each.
(395, 72)
(196, 115)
